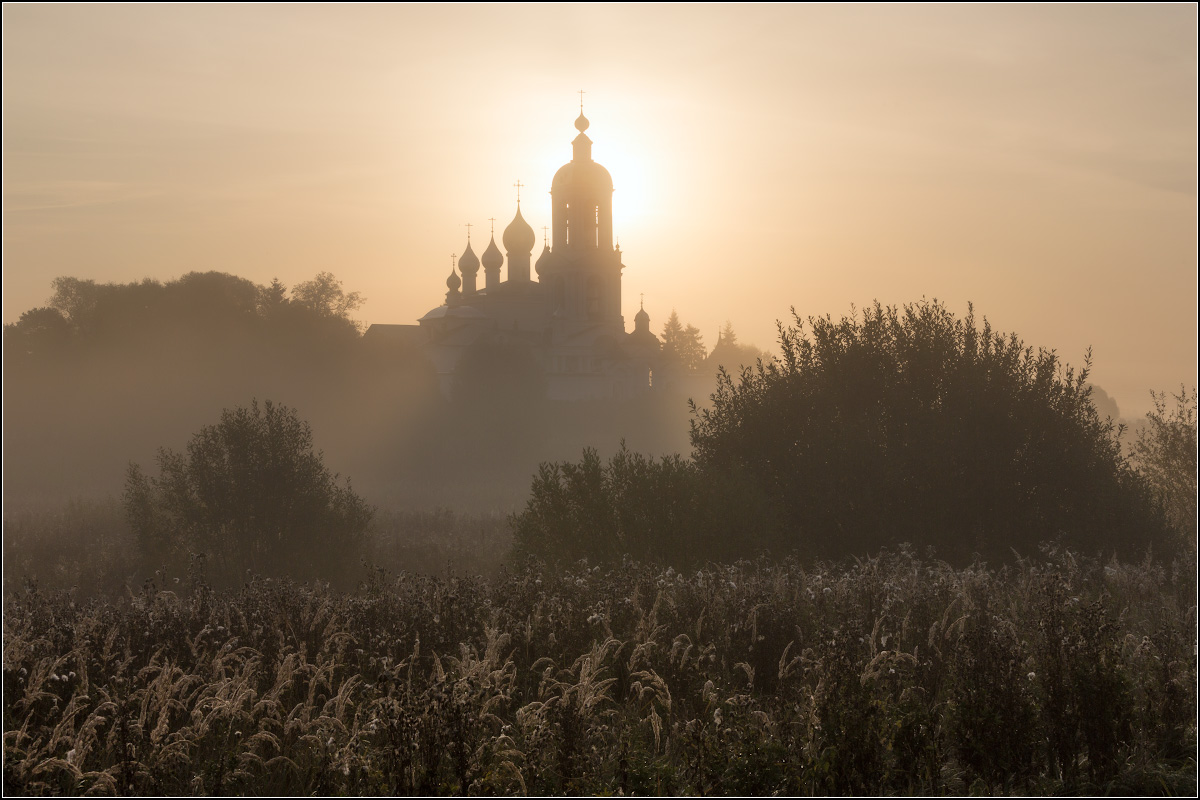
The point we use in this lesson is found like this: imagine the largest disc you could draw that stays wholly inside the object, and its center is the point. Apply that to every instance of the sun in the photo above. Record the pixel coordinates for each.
(634, 185)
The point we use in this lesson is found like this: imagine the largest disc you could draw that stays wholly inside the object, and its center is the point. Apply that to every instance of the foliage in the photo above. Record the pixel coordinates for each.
(666, 511)
(912, 425)
(251, 493)
(83, 315)
(1165, 452)
(894, 676)
(324, 295)
(682, 345)
(105, 373)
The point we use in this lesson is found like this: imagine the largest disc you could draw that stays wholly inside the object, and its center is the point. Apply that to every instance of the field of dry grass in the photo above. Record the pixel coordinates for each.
(892, 675)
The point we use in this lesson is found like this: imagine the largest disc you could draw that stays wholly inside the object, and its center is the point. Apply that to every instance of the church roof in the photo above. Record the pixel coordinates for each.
(577, 172)
(457, 312)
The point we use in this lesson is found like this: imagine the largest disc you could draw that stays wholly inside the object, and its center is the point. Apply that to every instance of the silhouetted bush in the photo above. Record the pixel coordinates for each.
(667, 511)
(250, 495)
(1165, 453)
(914, 426)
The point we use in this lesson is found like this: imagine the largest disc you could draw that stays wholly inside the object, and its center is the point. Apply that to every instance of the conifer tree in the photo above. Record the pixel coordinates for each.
(681, 344)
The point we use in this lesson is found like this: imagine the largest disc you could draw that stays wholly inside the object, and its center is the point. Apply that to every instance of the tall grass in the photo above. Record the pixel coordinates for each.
(894, 674)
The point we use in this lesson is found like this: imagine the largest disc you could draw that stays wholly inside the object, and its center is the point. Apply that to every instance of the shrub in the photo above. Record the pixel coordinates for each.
(666, 511)
(1165, 453)
(912, 425)
(251, 493)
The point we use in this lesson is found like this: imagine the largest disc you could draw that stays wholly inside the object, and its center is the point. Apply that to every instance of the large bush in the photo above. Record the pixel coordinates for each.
(250, 494)
(912, 425)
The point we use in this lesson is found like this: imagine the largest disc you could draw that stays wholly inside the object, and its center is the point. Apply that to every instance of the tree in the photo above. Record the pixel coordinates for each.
(325, 296)
(1165, 453)
(727, 334)
(250, 493)
(683, 345)
(912, 425)
(39, 333)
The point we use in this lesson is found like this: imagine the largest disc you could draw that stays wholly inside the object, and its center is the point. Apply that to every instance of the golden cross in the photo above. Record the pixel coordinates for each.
(493, 221)
(518, 184)
(468, 232)
(581, 101)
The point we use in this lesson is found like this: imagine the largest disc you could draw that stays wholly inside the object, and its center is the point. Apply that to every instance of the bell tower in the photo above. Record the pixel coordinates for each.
(583, 271)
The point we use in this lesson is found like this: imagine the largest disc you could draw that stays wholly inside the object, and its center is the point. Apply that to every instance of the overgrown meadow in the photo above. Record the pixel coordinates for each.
(639, 655)
(897, 674)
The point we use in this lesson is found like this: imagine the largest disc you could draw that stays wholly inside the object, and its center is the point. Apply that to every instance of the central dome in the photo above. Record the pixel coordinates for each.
(581, 174)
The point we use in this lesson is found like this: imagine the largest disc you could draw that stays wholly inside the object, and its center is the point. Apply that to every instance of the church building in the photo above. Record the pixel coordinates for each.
(568, 316)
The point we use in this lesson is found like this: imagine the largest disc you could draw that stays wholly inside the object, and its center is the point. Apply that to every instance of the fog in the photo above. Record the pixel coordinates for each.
(129, 369)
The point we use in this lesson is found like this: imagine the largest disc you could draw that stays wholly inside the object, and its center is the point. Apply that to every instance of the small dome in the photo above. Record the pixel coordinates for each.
(542, 260)
(518, 236)
(581, 124)
(641, 316)
(492, 257)
(453, 282)
(469, 262)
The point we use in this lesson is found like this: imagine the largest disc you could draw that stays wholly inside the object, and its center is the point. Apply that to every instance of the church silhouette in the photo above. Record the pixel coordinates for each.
(568, 318)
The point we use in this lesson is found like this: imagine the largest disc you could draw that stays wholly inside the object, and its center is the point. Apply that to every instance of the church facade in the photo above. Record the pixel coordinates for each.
(564, 308)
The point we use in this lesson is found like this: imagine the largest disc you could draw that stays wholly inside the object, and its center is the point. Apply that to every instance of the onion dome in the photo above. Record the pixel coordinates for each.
(492, 257)
(542, 260)
(453, 282)
(641, 316)
(581, 124)
(469, 262)
(518, 236)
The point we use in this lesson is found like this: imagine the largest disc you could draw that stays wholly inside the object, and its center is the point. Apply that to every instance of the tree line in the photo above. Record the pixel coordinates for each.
(105, 373)
(899, 425)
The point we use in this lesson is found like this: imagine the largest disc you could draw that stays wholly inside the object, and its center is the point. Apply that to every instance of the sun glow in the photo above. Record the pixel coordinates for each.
(636, 193)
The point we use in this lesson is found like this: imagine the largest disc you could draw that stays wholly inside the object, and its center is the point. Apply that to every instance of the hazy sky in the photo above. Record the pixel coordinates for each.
(1039, 161)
